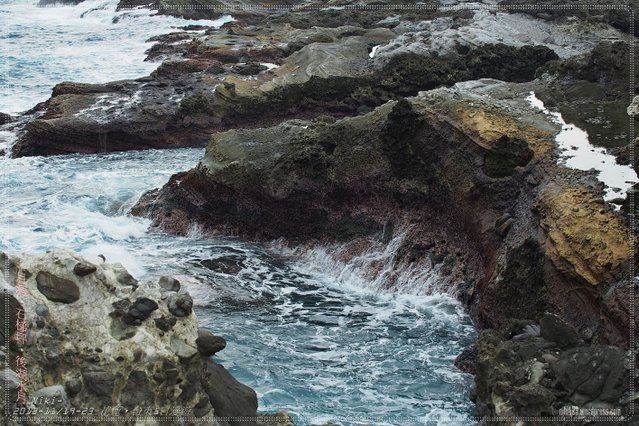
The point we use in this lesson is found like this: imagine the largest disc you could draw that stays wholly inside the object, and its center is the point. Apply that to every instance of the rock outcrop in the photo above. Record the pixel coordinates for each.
(99, 347)
(295, 64)
(469, 173)
(354, 126)
(528, 375)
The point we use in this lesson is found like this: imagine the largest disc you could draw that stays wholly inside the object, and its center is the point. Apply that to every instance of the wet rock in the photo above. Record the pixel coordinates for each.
(209, 344)
(466, 360)
(43, 3)
(178, 68)
(169, 284)
(5, 118)
(82, 269)
(227, 264)
(57, 289)
(180, 305)
(139, 310)
(125, 278)
(220, 385)
(592, 373)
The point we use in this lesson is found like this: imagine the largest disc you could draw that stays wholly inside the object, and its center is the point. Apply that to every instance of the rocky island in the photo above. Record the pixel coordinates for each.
(427, 131)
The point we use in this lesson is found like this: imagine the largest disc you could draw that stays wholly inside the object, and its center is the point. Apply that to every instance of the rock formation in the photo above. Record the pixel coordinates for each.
(470, 173)
(101, 347)
(352, 126)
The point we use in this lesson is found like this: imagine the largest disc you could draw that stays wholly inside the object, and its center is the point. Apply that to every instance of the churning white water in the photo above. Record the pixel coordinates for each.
(89, 43)
(315, 338)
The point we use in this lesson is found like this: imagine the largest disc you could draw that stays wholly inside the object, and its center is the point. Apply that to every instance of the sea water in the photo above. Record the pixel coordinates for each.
(317, 339)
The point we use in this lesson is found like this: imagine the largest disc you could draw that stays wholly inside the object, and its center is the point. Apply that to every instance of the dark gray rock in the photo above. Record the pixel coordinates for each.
(42, 310)
(165, 323)
(169, 284)
(591, 373)
(57, 289)
(5, 118)
(98, 381)
(82, 269)
(180, 305)
(249, 69)
(140, 310)
(137, 391)
(467, 360)
(556, 330)
(203, 407)
(209, 344)
(229, 398)
(73, 386)
(8, 301)
(226, 264)
(125, 278)
(43, 3)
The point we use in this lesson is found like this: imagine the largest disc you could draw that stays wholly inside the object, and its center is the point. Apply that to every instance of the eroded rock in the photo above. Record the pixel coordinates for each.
(209, 344)
(107, 348)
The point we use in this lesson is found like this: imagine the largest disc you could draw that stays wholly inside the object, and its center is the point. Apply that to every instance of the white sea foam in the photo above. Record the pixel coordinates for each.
(89, 42)
(312, 334)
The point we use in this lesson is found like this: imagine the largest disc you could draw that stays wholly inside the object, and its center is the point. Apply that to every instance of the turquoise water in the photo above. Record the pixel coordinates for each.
(322, 345)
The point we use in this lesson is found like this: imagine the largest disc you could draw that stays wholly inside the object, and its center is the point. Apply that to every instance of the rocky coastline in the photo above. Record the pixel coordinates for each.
(102, 347)
(348, 127)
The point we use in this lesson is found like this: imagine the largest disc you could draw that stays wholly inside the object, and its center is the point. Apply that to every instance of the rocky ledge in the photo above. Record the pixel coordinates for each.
(263, 69)
(102, 347)
(468, 176)
(360, 128)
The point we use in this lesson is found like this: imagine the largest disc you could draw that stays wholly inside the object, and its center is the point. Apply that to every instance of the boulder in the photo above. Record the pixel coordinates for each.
(180, 305)
(139, 310)
(554, 329)
(169, 284)
(82, 269)
(57, 289)
(209, 344)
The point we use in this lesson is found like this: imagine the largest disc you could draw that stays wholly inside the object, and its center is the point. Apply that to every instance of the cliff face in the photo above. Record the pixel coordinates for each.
(470, 174)
(100, 341)
(349, 138)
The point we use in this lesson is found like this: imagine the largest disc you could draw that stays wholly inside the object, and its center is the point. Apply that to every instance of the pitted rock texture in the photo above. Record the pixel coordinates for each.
(113, 345)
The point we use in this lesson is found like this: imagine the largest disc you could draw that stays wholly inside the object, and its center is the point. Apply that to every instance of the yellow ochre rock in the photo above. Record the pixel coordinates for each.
(584, 238)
